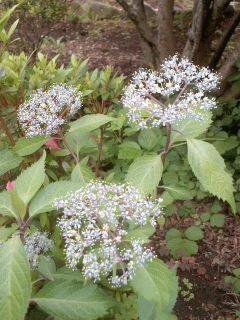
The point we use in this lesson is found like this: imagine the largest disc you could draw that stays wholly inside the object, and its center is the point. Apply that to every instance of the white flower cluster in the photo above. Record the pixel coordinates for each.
(96, 226)
(175, 93)
(47, 111)
(35, 245)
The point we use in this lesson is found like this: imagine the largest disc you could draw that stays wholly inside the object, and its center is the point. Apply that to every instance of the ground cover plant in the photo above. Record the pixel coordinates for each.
(101, 181)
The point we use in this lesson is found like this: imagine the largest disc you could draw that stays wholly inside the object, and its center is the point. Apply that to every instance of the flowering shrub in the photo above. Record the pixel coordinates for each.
(86, 180)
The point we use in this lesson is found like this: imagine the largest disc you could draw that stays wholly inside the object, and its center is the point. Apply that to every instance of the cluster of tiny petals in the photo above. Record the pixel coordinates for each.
(176, 93)
(36, 245)
(95, 226)
(46, 111)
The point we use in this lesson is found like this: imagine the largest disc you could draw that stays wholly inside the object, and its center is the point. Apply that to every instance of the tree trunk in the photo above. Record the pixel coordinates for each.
(166, 41)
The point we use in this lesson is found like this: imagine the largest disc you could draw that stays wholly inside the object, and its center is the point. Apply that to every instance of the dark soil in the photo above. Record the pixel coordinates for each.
(218, 255)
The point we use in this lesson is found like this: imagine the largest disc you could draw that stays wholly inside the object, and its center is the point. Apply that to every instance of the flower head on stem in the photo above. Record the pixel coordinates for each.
(96, 226)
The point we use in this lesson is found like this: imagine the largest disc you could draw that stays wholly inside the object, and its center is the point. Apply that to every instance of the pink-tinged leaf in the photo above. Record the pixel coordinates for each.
(10, 186)
(53, 145)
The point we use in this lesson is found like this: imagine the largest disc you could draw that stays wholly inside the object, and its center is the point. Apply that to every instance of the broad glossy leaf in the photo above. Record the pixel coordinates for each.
(210, 169)
(69, 300)
(26, 146)
(6, 207)
(157, 283)
(45, 198)
(15, 284)
(8, 161)
(145, 173)
(30, 180)
(90, 122)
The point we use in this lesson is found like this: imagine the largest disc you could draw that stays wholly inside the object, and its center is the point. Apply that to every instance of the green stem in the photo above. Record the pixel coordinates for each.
(168, 144)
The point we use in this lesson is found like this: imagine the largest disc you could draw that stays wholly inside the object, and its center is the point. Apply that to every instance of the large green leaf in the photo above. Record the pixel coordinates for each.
(209, 167)
(148, 310)
(147, 139)
(145, 173)
(129, 150)
(157, 283)
(190, 128)
(77, 140)
(180, 247)
(8, 161)
(141, 233)
(26, 146)
(15, 284)
(45, 198)
(6, 207)
(69, 300)
(90, 122)
(179, 192)
(82, 174)
(30, 180)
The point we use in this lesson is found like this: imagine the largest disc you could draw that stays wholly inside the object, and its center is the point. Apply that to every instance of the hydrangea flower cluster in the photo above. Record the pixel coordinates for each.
(176, 93)
(95, 225)
(47, 111)
(35, 245)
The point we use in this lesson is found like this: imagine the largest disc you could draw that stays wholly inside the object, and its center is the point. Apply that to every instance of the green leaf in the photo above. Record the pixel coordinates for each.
(68, 300)
(179, 192)
(45, 198)
(236, 272)
(77, 140)
(82, 174)
(5, 233)
(182, 247)
(157, 283)
(8, 161)
(141, 233)
(129, 150)
(46, 267)
(209, 167)
(30, 180)
(147, 139)
(194, 233)
(90, 122)
(15, 284)
(149, 311)
(173, 234)
(226, 145)
(6, 207)
(26, 146)
(145, 173)
(190, 128)
(217, 220)
(65, 273)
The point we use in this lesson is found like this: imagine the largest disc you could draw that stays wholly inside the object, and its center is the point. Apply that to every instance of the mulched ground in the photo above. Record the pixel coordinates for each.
(219, 254)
